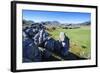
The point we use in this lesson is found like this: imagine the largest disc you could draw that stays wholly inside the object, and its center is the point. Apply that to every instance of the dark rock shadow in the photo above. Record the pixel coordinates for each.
(69, 56)
(72, 56)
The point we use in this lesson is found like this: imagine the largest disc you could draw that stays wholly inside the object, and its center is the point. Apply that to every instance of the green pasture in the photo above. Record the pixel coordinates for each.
(80, 40)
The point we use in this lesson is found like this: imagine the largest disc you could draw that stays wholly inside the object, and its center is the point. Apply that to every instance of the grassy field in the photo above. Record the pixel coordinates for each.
(79, 40)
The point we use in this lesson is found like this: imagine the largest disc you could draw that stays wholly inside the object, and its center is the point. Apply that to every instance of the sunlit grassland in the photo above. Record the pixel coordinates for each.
(80, 40)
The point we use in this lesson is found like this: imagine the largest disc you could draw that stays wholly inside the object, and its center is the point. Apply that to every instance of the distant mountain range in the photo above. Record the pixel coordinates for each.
(85, 23)
(26, 22)
(56, 23)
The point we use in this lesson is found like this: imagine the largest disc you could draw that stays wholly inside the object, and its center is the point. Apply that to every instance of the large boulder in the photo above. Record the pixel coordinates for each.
(50, 44)
(31, 32)
(40, 37)
(65, 44)
(31, 52)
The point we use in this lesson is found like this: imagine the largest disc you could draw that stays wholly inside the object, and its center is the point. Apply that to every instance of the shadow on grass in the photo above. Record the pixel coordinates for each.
(70, 56)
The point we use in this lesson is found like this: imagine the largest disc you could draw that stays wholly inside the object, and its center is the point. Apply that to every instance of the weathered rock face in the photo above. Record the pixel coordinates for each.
(36, 36)
(30, 51)
(65, 43)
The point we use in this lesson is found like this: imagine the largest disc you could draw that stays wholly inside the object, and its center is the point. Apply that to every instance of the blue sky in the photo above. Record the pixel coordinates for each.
(63, 17)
